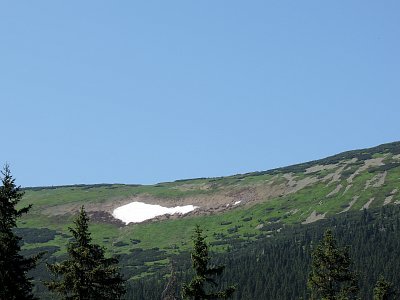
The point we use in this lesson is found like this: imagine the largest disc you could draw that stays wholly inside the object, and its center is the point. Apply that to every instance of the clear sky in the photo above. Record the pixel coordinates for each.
(152, 91)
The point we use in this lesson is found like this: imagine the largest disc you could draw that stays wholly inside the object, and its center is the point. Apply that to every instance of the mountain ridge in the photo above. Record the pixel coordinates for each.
(240, 211)
(342, 155)
(237, 206)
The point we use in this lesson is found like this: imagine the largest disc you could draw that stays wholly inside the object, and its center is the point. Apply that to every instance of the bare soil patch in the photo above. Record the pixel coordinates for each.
(377, 181)
(366, 205)
(347, 188)
(351, 203)
(373, 162)
(335, 191)
(313, 217)
(388, 200)
(318, 168)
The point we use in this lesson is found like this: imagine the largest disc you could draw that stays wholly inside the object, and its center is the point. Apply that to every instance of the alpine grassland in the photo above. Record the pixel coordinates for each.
(243, 215)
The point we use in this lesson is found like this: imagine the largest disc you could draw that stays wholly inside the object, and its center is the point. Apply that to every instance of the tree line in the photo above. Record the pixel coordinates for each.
(88, 274)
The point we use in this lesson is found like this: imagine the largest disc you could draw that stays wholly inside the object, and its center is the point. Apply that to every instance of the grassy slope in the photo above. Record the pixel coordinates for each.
(240, 222)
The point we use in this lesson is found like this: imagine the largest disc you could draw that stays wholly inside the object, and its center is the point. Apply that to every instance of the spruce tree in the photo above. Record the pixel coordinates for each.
(331, 277)
(196, 289)
(14, 281)
(86, 274)
(383, 290)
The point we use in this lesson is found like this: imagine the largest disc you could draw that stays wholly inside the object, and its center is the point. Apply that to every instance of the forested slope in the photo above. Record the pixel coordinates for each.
(278, 268)
(262, 225)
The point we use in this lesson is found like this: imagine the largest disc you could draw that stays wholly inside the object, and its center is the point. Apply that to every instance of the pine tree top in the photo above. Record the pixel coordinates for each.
(87, 273)
(14, 283)
(196, 288)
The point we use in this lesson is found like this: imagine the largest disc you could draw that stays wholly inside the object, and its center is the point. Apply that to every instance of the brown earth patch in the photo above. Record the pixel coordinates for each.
(105, 217)
(347, 188)
(351, 203)
(373, 162)
(366, 205)
(294, 186)
(318, 168)
(388, 199)
(222, 199)
(313, 217)
(335, 191)
(377, 181)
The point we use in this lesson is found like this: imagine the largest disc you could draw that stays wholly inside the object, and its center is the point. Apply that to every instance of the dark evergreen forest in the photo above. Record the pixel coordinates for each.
(277, 267)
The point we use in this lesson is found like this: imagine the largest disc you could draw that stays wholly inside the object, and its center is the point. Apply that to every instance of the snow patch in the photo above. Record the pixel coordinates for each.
(136, 212)
(237, 202)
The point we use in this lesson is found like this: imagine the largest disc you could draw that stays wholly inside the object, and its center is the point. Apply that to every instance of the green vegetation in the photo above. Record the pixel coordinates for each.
(331, 277)
(55, 207)
(196, 289)
(278, 267)
(275, 206)
(86, 274)
(14, 283)
(383, 290)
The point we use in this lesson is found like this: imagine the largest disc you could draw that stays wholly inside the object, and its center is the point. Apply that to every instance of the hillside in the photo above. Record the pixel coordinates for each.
(241, 213)
(239, 206)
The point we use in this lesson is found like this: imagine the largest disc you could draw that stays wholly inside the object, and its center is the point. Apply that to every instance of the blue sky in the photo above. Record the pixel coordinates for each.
(152, 91)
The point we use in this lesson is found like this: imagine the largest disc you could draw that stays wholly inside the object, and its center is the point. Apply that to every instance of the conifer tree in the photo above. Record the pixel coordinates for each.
(331, 277)
(196, 288)
(383, 290)
(86, 274)
(14, 281)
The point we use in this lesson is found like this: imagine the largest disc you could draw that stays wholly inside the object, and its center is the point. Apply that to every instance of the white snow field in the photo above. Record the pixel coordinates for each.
(136, 212)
